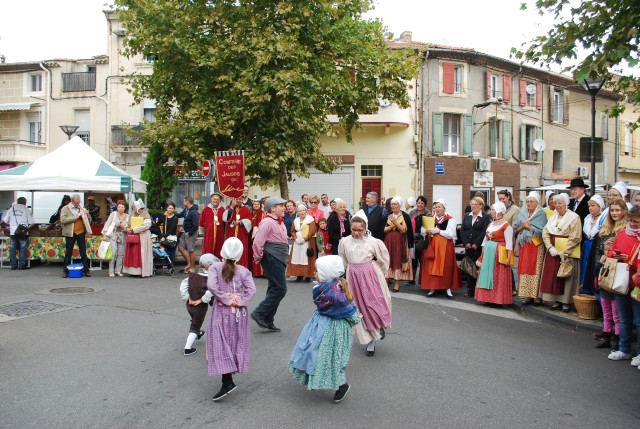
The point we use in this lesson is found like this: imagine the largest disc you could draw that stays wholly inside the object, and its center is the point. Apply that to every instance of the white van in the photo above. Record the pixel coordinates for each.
(45, 204)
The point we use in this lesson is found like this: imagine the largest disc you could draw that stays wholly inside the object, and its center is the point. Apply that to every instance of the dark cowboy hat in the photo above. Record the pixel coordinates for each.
(578, 182)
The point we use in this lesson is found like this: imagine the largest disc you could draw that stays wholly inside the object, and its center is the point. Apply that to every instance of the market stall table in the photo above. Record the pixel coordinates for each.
(53, 248)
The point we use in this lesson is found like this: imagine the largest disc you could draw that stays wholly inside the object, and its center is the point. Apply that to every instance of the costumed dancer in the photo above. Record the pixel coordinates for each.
(367, 259)
(322, 352)
(237, 219)
(194, 291)
(228, 335)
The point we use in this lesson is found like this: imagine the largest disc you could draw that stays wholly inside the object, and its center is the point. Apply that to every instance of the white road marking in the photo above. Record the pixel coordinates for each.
(476, 308)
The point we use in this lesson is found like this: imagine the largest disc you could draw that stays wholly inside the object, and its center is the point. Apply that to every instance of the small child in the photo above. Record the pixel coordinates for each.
(194, 291)
(322, 351)
(322, 239)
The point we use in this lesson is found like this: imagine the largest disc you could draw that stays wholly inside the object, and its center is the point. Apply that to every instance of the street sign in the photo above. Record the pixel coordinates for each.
(585, 149)
(206, 168)
(439, 167)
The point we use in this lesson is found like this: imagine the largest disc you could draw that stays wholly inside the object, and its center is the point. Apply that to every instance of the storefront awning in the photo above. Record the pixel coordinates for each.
(5, 107)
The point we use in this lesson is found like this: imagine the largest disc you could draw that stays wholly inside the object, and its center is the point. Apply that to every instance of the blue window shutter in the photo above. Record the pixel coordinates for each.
(506, 140)
(523, 143)
(493, 147)
(437, 132)
(468, 135)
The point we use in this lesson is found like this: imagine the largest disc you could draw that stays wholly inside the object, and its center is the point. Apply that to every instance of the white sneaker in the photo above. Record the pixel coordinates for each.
(635, 361)
(618, 355)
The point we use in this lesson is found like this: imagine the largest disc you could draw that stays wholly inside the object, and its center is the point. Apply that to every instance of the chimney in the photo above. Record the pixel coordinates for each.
(405, 36)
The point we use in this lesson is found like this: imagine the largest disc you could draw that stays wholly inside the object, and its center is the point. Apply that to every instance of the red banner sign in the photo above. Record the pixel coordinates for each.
(230, 174)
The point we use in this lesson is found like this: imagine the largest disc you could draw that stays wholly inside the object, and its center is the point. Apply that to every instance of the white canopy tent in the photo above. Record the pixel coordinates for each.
(74, 166)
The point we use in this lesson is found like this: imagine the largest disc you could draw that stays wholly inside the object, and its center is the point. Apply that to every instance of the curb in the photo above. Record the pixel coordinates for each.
(577, 325)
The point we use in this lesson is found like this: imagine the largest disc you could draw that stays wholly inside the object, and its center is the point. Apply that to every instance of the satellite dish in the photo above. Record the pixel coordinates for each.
(539, 145)
(530, 89)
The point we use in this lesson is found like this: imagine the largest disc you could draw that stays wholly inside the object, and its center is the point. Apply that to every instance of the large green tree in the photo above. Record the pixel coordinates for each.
(596, 38)
(160, 178)
(261, 75)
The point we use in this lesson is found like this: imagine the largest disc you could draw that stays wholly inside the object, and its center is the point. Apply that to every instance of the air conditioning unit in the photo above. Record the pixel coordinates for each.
(483, 164)
(582, 172)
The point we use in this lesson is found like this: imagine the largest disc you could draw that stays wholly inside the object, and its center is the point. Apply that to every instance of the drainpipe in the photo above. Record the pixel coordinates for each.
(617, 153)
(48, 113)
(424, 100)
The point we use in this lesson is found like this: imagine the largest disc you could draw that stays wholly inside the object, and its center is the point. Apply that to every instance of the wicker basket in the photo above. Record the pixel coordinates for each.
(587, 306)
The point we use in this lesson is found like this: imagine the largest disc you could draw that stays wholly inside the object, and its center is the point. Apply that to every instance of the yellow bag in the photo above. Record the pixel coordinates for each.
(502, 256)
(561, 244)
(136, 221)
(535, 240)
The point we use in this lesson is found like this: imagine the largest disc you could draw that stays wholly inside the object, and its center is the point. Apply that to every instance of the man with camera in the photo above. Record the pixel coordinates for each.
(19, 219)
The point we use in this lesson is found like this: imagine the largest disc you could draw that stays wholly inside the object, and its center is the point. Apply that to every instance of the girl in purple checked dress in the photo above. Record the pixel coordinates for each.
(228, 334)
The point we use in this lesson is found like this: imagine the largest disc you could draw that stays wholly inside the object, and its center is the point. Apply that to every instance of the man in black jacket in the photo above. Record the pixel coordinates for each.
(579, 202)
(376, 215)
(187, 242)
(474, 226)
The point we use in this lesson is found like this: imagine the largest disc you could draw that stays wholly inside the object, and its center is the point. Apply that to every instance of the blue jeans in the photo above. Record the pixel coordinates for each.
(275, 272)
(22, 243)
(629, 312)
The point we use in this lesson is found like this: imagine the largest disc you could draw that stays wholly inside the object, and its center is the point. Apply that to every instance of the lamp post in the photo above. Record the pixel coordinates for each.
(69, 130)
(592, 86)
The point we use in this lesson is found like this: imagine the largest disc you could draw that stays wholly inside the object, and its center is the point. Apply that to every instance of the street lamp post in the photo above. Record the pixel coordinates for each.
(69, 130)
(592, 86)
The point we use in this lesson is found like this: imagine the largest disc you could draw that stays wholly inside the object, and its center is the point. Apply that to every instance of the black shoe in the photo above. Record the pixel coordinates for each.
(200, 334)
(189, 352)
(307, 280)
(298, 279)
(65, 275)
(615, 342)
(87, 273)
(566, 308)
(537, 303)
(449, 296)
(224, 391)
(382, 334)
(371, 352)
(13, 268)
(341, 393)
(526, 302)
(604, 344)
(556, 306)
(260, 321)
(411, 282)
(271, 327)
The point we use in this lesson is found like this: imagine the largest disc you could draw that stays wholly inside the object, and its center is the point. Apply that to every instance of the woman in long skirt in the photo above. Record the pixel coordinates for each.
(398, 238)
(303, 251)
(228, 334)
(367, 259)
(322, 351)
(495, 280)
(138, 254)
(528, 226)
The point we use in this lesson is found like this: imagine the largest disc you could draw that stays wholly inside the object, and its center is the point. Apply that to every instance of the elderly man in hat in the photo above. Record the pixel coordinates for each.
(271, 249)
(94, 211)
(579, 203)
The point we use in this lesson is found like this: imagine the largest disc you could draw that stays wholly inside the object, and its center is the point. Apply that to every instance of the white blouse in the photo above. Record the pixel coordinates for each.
(508, 234)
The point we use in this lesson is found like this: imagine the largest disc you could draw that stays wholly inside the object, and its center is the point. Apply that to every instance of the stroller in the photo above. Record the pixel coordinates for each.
(161, 258)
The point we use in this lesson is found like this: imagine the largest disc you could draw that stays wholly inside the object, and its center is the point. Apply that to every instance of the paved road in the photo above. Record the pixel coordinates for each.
(112, 359)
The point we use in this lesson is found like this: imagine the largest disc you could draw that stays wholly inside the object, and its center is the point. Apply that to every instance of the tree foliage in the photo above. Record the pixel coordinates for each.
(608, 33)
(159, 177)
(261, 76)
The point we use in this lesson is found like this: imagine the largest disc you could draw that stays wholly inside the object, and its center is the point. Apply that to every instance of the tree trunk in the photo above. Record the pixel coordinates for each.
(284, 185)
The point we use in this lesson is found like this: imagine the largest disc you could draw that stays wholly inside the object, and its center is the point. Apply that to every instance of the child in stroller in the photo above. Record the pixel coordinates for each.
(161, 259)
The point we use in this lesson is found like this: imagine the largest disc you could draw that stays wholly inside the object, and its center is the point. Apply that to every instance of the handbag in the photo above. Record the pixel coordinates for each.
(615, 278)
(170, 241)
(566, 268)
(502, 256)
(469, 267)
(405, 260)
(104, 251)
(133, 239)
(607, 273)
(109, 232)
(310, 252)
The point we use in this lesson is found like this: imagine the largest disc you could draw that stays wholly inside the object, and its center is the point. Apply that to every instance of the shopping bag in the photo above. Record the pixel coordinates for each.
(104, 251)
(502, 256)
(566, 268)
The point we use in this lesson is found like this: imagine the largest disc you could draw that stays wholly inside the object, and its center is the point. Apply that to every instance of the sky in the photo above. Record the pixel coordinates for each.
(77, 28)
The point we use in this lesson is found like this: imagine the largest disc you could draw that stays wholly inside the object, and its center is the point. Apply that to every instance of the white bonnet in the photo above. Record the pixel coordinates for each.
(329, 267)
(232, 249)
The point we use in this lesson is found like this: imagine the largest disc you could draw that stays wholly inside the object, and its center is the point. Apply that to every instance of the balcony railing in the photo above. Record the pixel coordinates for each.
(75, 82)
(21, 151)
(123, 136)
(84, 135)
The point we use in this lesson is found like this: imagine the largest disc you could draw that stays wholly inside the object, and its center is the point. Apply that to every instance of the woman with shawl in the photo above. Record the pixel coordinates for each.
(494, 282)
(590, 228)
(398, 238)
(563, 224)
(256, 217)
(303, 251)
(138, 254)
(528, 228)
(228, 334)
(322, 351)
(367, 259)
(439, 269)
(338, 224)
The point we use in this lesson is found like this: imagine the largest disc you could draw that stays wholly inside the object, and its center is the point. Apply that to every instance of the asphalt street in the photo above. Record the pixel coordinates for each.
(112, 358)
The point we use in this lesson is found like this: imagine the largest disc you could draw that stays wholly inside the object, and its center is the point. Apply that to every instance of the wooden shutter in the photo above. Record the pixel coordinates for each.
(488, 84)
(448, 71)
(565, 109)
(551, 103)
(506, 88)
(538, 96)
(523, 143)
(506, 140)
(523, 92)
(539, 136)
(493, 145)
(468, 135)
(437, 132)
